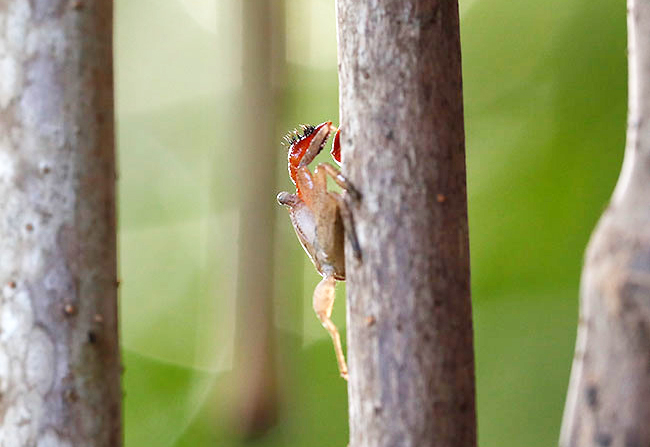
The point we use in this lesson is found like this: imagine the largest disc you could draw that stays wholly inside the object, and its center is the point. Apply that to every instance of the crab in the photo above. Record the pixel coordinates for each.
(321, 218)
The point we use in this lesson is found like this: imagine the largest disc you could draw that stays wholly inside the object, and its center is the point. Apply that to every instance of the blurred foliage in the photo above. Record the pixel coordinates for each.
(545, 102)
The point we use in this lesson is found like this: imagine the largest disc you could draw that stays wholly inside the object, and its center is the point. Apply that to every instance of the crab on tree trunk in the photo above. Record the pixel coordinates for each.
(321, 218)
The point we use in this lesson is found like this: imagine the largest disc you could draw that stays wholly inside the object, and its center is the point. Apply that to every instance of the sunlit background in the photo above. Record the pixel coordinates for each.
(545, 103)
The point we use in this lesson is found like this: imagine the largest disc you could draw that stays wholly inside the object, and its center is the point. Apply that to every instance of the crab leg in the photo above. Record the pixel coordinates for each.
(339, 179)
(348, 223)
(323, 303)
(348, 191)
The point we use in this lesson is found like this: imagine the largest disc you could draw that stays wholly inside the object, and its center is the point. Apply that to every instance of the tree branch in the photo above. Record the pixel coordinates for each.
(409, 312)
(256, 388)
(609, 392)
(59, 357)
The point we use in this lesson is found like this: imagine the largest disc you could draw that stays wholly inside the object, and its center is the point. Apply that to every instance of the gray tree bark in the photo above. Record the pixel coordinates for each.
(410, 345)
(59, 357)
(608, 402)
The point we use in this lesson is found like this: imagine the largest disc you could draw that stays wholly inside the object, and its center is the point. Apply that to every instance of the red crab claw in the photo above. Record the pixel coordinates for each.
(336, 147)
(305, 147)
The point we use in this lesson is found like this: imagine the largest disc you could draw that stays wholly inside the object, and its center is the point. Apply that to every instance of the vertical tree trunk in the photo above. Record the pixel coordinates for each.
(59, 357)
(410, 346)
(608, 402)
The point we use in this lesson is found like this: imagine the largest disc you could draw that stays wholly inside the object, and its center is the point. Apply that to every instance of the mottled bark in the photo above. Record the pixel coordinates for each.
(59, 358)
(410, 344)
(608, 402)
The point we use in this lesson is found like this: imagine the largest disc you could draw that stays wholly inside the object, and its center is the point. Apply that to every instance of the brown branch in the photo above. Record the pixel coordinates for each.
(256, 387)
(409, 312)
(59, 358)
(608, 402)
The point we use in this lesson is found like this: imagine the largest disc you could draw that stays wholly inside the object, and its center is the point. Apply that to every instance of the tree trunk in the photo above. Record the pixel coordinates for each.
(410, 346)
(59, 357)
(608, 402)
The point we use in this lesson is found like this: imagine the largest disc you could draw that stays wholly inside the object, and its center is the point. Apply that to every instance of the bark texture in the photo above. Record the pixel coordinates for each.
(410, 344)
(59, 358)
(608, 402)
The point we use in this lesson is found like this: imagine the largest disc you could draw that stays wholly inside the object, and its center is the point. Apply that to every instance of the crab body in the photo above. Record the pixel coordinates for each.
(320, 233)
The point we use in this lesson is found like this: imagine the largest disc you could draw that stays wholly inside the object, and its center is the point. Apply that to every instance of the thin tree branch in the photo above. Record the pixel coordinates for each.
(256, 386)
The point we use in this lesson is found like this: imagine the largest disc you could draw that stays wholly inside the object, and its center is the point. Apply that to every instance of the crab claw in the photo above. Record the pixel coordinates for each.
(304, 148)
(336, 147)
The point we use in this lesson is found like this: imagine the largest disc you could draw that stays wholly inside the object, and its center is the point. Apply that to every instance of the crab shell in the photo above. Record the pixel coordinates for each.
(323, 242)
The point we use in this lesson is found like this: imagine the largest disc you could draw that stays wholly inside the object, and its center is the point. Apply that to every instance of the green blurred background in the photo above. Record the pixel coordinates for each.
(545, 103)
